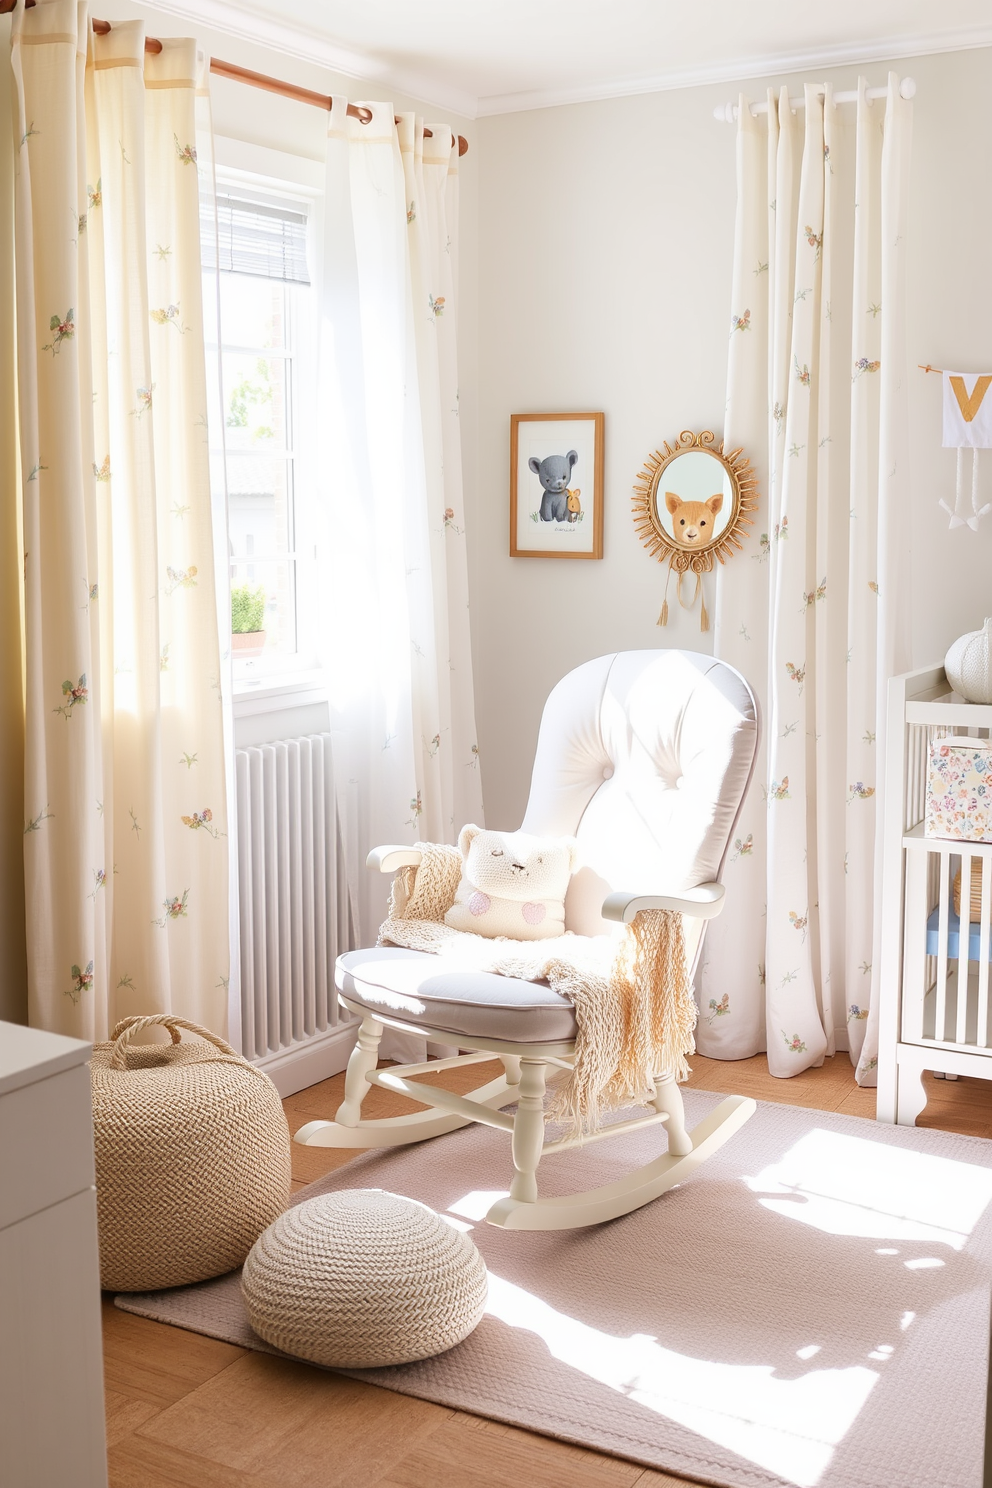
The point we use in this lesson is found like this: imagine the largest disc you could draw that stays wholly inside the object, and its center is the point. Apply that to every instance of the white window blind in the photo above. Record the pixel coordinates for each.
(266, 239)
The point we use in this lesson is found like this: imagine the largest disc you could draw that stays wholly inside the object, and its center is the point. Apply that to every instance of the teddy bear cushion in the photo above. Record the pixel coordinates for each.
(512, 884)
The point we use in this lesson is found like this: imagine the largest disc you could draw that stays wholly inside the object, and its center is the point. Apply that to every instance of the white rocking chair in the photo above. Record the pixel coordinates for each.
(645, 757)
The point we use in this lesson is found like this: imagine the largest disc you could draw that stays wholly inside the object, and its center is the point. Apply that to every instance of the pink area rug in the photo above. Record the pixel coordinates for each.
(811, 1308)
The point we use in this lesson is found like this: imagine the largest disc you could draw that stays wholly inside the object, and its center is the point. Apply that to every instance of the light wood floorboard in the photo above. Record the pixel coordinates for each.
(185, 1411)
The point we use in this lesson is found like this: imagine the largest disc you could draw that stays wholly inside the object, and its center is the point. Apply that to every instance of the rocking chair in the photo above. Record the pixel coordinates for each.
(645, 757)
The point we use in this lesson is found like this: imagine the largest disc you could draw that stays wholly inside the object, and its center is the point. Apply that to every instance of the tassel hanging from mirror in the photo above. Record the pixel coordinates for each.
(704, 619)
(663, 617)
(698, 593)
(690, 516)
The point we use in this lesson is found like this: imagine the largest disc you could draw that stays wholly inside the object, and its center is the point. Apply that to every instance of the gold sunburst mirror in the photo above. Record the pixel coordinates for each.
(691, 505)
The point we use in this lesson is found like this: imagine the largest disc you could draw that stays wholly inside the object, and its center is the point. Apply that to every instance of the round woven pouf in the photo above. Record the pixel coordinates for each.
(363, 1278)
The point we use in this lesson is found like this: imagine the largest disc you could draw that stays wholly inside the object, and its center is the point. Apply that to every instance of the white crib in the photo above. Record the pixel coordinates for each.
(934, 981)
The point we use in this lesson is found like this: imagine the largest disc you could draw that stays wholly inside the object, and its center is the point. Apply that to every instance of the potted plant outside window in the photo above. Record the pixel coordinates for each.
(247, 620)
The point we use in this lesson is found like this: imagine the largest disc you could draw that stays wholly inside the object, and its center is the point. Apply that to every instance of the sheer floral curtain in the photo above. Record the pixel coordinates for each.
(816, 617)
(125, 817)
(396, 622)
(13, 994)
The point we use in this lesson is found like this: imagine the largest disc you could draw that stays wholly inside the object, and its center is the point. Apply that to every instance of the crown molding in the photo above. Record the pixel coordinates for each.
(230, 19)
(290, 41)
(884, 49)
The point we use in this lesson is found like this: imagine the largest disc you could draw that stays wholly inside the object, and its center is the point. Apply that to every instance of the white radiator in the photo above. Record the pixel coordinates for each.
(296, 916)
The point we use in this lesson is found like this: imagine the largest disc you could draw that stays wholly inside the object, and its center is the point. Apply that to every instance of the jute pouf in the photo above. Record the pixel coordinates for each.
(363, 1278)
(192, 1156)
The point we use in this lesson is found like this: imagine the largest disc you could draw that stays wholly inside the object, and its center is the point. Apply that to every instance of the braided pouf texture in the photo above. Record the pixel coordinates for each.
(363, 1278)
(192, 1157)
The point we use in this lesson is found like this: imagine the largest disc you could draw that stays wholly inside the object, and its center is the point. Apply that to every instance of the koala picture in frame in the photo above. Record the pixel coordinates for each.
(556, 485)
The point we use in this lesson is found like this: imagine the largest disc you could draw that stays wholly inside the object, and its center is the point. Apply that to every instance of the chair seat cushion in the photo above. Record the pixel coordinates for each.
(413, 987)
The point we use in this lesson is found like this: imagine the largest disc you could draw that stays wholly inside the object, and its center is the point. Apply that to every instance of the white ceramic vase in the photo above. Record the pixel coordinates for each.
(967, 665)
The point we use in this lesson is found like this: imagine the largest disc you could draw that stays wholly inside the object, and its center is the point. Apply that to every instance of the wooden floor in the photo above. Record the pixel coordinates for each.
(186, 1412)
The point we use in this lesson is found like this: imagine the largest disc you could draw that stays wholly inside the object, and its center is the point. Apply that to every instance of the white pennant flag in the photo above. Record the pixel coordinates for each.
(967, 410)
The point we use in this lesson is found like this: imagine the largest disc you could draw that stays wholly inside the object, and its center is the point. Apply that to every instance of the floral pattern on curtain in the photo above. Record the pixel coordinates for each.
(13, 995)
(815, 617)
(125, 814)
(395, 622)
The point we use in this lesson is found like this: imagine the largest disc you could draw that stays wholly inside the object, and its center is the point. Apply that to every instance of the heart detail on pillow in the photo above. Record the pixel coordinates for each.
(512, 884)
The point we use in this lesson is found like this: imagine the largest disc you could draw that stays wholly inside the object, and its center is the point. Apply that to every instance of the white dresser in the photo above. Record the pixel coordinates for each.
(51, 1366)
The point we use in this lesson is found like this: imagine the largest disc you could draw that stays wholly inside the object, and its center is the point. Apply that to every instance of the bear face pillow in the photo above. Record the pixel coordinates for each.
(512, 884)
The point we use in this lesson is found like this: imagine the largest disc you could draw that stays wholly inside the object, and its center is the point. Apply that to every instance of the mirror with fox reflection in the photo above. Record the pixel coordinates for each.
(692, 500)
(695, 499)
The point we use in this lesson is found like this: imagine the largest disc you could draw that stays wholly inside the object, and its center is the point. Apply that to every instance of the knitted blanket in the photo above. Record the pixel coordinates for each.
(634, 1010)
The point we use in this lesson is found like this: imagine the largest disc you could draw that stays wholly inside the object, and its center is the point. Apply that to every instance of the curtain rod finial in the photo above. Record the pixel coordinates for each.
(907, 88)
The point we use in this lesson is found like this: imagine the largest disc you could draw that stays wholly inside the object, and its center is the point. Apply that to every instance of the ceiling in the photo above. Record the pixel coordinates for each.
(497, 56)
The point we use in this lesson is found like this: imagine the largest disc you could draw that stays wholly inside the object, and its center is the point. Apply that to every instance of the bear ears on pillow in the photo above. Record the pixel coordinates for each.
(511, 841)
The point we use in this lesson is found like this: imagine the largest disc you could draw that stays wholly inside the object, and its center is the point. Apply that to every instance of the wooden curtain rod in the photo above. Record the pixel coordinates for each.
(291, 90)
(253, 79)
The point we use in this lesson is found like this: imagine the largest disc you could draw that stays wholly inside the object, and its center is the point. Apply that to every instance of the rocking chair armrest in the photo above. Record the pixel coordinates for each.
(390, 859)
(701, 903)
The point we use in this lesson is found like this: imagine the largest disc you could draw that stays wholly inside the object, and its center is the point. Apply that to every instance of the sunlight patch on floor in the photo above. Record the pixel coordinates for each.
(850, 1186)
(477, 1204)
(842, 1185)
(788, 1426)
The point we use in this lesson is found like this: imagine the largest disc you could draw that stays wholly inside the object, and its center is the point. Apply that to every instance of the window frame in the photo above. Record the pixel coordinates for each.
(274, 173)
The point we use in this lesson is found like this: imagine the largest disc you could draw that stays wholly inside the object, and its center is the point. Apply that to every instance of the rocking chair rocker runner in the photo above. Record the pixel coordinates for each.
(645, 757)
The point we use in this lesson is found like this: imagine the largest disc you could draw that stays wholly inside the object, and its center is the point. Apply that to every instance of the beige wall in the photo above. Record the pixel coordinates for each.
(605, 247)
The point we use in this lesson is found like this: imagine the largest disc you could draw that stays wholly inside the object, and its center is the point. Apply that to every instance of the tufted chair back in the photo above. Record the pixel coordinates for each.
(645, 757)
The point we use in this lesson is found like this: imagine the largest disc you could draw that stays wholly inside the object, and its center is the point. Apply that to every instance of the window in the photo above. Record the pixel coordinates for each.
(259, 418)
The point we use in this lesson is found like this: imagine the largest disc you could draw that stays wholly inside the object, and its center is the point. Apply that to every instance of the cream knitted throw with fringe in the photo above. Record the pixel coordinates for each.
(634, 1010)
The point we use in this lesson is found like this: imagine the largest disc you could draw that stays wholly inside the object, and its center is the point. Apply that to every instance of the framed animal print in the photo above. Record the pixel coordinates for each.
(556, 485)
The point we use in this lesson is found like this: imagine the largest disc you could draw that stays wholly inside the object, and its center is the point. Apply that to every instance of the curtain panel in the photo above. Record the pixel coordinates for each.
(816, 618)
(125, 857)
(13, 991)
(395, 624)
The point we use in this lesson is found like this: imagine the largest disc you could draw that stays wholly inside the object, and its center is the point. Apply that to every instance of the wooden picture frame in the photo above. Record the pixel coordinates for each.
(556, 485)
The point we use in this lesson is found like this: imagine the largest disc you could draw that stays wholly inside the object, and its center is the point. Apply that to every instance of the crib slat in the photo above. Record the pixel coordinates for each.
(914, 955)
(913, 775)
(964, 948)
(920, 767)
(940, 1025)
(982, 1031)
